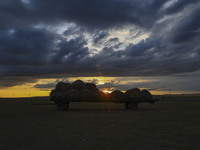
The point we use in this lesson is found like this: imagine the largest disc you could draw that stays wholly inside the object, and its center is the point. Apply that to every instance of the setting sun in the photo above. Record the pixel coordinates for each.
(107, 92)
(100, 82)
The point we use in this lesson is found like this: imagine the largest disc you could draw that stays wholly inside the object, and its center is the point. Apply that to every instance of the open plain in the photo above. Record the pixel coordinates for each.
(26, 123)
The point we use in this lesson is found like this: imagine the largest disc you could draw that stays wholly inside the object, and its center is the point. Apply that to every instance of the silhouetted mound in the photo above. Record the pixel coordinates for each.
(117, 96)
(61, 86)
(133, 95)
(92, 87)
(56, 96)
(78, 85)
(71, 95)
(86, 95)
(79, 91)
(146, 95)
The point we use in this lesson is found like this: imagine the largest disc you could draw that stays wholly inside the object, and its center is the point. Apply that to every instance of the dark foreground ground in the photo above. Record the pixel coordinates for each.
(99, 126)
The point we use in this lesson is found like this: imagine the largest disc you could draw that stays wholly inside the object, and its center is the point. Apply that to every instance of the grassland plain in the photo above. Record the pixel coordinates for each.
(166, 125)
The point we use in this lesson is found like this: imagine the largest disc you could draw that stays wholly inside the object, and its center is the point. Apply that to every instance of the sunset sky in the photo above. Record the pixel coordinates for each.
(117, 44)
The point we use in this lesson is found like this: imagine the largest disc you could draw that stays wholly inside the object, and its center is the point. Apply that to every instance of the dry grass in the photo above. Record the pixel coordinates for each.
(99, 126)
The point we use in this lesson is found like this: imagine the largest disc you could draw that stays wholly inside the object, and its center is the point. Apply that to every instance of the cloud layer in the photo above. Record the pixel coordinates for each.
(101, 37)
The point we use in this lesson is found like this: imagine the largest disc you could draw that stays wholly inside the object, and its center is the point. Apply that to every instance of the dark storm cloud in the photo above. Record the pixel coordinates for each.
(112, 43)
(13, 81)
(30, 46)
(35, 51)
(90, 13)
(180, 5)
(45, 86)
(142, 48)
(25, 47)
(99, 38)
(150, 57)
(98, 14)
(188, 29)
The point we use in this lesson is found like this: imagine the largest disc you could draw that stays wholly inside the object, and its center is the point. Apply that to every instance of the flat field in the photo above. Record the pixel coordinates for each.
(166, 125)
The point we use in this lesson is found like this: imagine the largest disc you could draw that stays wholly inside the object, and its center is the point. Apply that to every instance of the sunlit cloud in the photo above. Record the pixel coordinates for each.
(168, 4)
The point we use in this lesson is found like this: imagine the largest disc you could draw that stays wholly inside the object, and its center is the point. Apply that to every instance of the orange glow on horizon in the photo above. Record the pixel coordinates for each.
(29, 89)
